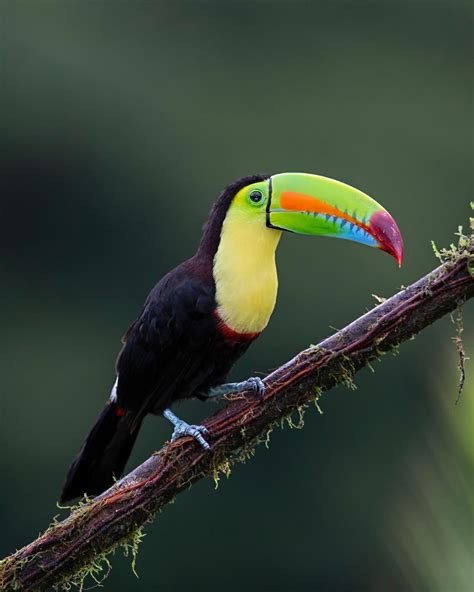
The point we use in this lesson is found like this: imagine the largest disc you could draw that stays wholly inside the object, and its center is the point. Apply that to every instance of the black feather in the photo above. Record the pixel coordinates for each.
(103, 455)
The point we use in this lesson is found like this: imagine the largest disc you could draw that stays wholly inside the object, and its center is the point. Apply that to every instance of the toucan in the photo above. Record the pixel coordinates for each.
(204, 314)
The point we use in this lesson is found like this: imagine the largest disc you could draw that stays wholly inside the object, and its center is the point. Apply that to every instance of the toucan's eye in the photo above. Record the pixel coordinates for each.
(256, 196)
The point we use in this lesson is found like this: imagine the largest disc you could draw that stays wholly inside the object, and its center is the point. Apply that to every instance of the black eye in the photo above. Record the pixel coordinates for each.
(256, 196)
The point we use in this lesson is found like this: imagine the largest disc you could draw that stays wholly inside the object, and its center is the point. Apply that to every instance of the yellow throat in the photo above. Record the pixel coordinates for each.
(245, 272)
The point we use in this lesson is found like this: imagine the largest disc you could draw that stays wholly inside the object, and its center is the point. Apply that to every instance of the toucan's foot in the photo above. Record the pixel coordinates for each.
(196, 431)
(181, 429)
(256, 384)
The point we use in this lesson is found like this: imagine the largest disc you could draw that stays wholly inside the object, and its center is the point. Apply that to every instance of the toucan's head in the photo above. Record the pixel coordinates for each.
(318, 206)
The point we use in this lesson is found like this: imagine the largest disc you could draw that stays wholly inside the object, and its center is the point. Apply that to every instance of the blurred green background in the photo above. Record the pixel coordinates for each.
(120, 124)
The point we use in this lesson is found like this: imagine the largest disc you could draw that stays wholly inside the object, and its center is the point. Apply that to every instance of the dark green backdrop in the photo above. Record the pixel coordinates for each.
(120, 124)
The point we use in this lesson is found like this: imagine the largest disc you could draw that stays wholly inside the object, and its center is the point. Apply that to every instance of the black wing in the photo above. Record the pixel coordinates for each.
(170, 351)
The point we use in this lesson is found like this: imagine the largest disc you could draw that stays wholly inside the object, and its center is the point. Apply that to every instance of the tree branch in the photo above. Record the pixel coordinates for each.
(93, 529)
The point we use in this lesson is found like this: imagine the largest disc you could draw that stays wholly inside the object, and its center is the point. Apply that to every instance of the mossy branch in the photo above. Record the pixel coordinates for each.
(70, 549)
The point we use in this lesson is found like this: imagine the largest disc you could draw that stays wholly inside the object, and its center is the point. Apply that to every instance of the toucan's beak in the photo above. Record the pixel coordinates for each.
(309, 204)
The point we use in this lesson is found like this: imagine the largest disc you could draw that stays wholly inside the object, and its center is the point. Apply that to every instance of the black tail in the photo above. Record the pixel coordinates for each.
(103, 455)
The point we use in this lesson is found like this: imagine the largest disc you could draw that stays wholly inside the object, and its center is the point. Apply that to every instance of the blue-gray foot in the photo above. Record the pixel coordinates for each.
(257, 384)
(181, 429)
(254, 384)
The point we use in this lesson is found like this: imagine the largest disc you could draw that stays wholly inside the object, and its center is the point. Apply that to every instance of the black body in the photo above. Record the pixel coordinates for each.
(176, 349)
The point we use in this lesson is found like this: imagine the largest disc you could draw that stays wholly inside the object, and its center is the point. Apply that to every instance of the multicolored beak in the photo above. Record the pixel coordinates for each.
(314, 205)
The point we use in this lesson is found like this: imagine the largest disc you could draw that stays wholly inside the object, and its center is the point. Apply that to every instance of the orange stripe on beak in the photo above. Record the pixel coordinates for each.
(300, 202)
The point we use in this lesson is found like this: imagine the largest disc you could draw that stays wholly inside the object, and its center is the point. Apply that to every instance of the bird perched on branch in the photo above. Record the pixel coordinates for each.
(203, 315)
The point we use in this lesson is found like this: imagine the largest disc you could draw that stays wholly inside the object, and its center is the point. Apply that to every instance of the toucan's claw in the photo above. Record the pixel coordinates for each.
(257, 385)
(254, 384)
(181, 429)
(184, 429)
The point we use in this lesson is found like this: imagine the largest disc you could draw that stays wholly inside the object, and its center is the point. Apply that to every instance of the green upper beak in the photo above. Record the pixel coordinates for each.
(310, 204)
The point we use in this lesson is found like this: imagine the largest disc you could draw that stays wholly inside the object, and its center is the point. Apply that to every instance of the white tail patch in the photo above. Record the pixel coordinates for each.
(113, 394)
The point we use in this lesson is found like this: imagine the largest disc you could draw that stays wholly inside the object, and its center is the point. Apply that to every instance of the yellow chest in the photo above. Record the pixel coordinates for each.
(245, 273)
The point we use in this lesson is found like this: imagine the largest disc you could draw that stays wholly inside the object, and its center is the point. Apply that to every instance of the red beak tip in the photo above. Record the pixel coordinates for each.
(398, 254)
(385, 230)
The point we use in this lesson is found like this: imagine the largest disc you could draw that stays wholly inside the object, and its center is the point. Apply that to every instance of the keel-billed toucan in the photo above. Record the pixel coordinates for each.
(203, 315)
